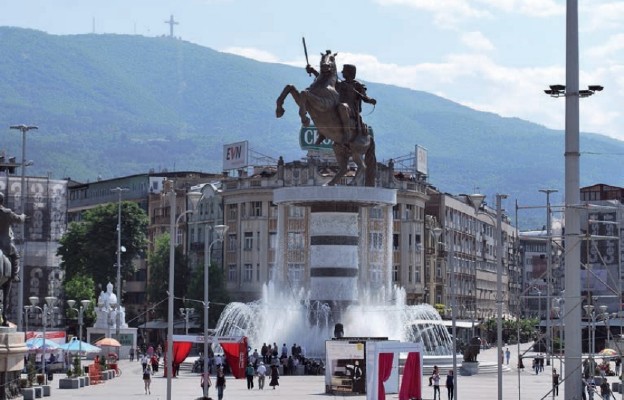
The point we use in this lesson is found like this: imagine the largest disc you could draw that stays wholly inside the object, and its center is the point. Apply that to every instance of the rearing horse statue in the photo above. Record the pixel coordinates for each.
(321, 102)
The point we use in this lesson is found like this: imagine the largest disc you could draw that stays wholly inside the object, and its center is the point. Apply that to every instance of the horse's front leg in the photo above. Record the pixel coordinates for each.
(288, 89)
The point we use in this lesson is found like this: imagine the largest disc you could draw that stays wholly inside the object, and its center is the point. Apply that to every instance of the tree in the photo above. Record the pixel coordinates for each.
(78, 288)
(89, 247)
(158, 284)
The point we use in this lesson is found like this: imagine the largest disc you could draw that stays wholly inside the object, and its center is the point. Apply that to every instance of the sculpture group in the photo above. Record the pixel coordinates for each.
(334, 106)
(9, 257)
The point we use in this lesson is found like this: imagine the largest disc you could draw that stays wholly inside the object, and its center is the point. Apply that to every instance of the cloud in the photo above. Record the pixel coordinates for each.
(446, 13)
(532, 8)
(248, 52)
(608, 49)
(477, 41)
(602, 15)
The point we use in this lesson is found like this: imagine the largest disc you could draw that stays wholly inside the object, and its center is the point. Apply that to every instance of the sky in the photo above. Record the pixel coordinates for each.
(491, 55)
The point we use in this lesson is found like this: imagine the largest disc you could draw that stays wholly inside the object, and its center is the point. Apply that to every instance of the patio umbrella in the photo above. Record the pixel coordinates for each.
(75, 346)
(608, 353)
(108, 342)
(37, 345)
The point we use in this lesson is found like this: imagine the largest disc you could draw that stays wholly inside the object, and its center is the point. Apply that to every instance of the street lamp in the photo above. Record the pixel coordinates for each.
(47, 310)
(186, 313)
(477, 200)
(20, 285)
(435, 233)
(558, 309)
(219, 231)
(120, 249)
(173, 224)
(592, 313)
(80, 311)
(548, 271)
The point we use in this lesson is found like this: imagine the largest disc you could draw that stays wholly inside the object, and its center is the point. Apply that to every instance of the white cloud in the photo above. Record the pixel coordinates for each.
(602, 15)
(532, 8)
(607, 49)
(446, 13)
(477, 41)
(252, 53)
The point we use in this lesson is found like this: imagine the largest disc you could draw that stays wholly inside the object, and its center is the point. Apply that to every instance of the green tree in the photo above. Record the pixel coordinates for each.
(89, 247)
(217, 293)
(158, 285)
(78, 288)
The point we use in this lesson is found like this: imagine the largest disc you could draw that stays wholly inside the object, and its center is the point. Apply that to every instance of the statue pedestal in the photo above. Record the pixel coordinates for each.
(127, 338)
(469, 368)
(12, 351)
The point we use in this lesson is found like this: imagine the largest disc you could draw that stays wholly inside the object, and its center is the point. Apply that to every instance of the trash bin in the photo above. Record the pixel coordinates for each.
(50, 376)
(86, 370)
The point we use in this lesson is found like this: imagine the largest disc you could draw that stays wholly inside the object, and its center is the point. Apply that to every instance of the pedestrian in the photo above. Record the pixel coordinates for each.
(555, 382)
(154, 362)
(261, 372)
(507, 355)
(220, 383)
(618, 365)
(131, 354)
(435, 379)
(249, 373)
(205, 379)
(605, 390)
(450, 384)
(147, 378)
(144, 361)
(274, 376)
(591, 388)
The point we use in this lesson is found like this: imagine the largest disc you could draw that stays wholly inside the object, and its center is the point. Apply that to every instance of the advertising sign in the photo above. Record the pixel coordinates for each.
(309, 134)
(235, 155)
(421, 160)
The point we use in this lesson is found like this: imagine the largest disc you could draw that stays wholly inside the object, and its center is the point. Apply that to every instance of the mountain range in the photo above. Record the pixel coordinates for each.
(113, 105)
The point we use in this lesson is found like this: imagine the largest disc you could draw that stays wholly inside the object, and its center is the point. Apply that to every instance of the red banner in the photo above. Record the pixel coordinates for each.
(236, 356)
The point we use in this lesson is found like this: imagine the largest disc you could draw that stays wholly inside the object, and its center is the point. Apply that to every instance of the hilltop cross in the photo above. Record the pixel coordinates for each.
(171, 23)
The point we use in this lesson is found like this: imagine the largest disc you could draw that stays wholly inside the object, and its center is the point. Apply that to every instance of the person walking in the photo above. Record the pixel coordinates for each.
(131, 354)
(507, 355)
(261, 372)
(205, 379)
(555, 382)
(249, 373)
(450, 384)
(220, 383)
(605, 390)
(274, 376)
(435, 379)
(147, 378)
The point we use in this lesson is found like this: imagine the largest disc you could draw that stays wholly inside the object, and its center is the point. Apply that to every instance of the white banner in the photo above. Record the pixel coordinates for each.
(235, 155)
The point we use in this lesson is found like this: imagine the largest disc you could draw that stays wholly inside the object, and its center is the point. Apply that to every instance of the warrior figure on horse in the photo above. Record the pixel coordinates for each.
(335, 107)
(9, 256)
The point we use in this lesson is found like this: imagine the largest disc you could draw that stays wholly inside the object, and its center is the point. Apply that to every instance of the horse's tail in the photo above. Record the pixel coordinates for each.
(371, 164)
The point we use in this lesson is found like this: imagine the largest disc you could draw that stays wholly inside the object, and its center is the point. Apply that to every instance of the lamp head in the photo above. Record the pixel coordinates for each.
(50, 301)
(220, 231)
(71, 303)
(437, 232)
(85, 303)
(193, 199)
(476, 200)
(34, 300)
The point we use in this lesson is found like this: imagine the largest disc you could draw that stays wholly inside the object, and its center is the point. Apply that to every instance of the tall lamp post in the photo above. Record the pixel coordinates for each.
(20, 285)
(572, 320)
(548, 271)
(219, 231)
(119, 190)
(186, 313)
(477, 200)
(46, 311)
(83, 306)
(173, 225)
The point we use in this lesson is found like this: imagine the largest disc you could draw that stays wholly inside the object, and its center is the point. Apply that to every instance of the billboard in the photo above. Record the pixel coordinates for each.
(235, 155)
(309, 134)
(421, 160)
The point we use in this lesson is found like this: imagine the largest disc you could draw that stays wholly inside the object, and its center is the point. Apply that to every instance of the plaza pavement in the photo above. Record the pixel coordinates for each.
(186, 386)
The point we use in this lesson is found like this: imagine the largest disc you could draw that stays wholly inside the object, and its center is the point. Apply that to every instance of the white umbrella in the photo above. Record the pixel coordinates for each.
(38, 345)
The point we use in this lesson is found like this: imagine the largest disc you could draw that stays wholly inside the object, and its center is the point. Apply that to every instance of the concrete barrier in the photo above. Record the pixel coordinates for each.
(28, 393)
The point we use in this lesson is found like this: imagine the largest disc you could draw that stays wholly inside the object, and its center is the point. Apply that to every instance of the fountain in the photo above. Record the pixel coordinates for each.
(337, 289)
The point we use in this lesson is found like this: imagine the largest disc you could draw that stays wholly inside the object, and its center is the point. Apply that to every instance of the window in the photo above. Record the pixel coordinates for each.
(375, 275)
(271, 271)
(295, 273)
(232, 211)
(232, 273)
(417, 275)
(256, 209)
(232, 242)
(248, 244)
(409, 211)
(376, 240)
(295, 240)
(247, 273)
(396, 241)
(272, 240)
(396, 273)
(376, 213)
(273, 210)
(409, 274)
(396, 214)
(295, 212)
